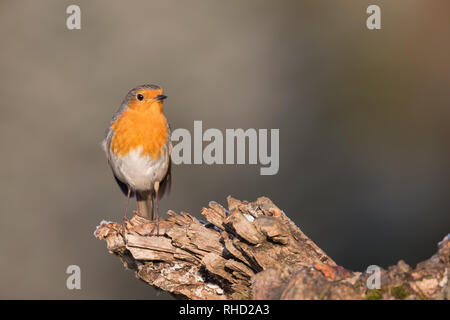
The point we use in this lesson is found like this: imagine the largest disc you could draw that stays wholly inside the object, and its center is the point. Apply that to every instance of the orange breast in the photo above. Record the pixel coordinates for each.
(139, 128)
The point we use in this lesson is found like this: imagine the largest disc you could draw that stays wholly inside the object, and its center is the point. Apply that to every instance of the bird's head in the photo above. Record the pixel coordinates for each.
(148, 97)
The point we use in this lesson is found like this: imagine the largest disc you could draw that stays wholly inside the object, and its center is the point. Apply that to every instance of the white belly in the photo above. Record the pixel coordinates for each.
(140, 172)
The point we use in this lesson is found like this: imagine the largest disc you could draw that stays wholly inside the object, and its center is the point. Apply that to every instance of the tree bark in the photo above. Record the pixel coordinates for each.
(254, 251)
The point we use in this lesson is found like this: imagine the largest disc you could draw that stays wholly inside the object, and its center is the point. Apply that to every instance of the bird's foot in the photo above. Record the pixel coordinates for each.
(123, 229)
(155, 226)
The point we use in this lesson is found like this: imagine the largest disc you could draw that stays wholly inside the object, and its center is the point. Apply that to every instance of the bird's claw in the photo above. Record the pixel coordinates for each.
(123, 230)
(155, 226)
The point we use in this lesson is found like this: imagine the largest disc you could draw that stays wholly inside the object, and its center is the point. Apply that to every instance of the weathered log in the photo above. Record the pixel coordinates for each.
(254, 251)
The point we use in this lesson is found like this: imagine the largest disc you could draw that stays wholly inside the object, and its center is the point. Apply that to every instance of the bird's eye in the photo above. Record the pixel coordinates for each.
(140, 97)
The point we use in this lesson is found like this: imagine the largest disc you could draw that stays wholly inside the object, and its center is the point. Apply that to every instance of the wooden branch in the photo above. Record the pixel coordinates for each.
(254, 251)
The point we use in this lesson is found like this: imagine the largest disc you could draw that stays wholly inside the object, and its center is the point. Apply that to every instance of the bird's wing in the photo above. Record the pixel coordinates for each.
(166, 183)
(107, 148)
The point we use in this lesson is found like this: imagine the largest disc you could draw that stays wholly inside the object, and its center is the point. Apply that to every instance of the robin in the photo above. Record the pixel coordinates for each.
(138, 149)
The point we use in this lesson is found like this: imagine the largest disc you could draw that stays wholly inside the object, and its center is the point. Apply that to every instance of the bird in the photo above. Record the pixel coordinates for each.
(138, 150)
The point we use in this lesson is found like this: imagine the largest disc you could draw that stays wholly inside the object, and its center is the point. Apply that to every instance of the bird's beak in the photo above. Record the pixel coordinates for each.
(160, 97)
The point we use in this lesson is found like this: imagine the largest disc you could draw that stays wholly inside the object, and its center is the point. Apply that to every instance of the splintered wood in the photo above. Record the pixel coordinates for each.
(252, 251)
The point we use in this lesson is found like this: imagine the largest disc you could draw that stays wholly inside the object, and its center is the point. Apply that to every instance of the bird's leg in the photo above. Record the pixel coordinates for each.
(125, 218)
(156, 187)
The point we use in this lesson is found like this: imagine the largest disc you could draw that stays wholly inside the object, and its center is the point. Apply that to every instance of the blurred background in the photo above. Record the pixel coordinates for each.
(363, 118)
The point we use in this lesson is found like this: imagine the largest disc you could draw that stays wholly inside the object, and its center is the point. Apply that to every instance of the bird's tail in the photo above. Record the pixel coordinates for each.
(144, 201)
